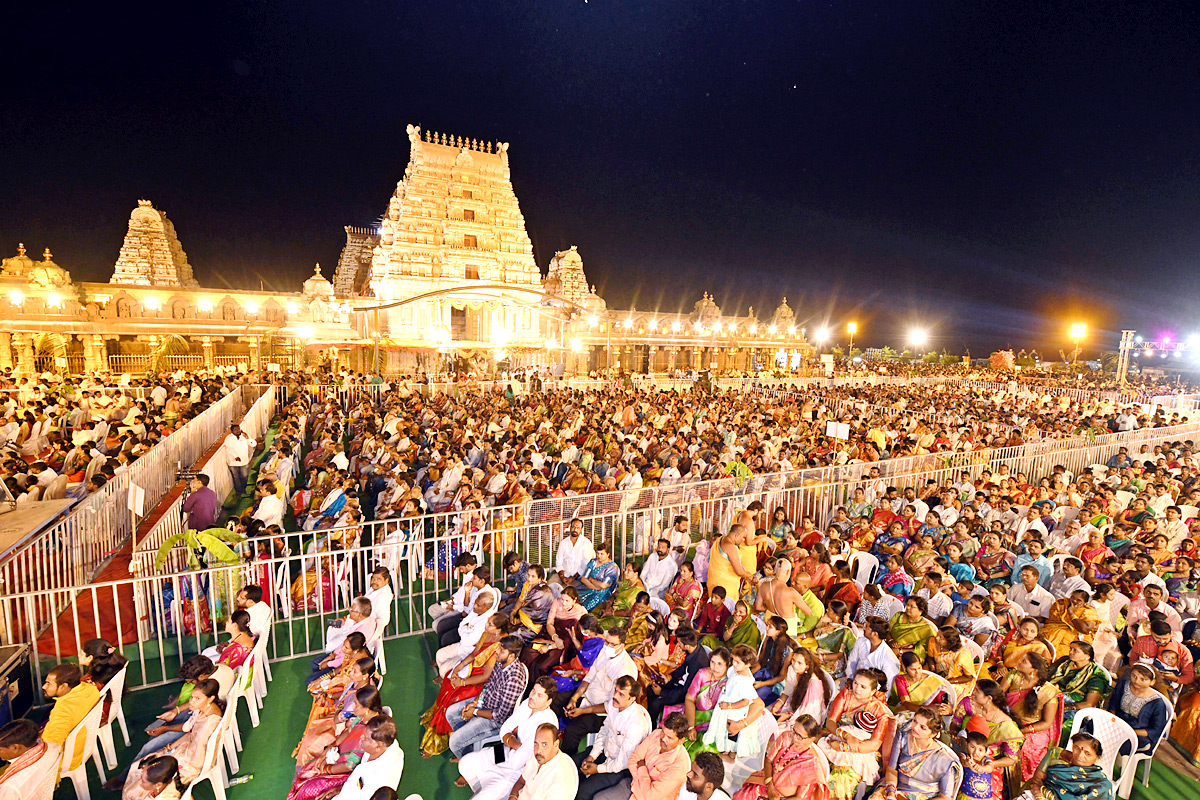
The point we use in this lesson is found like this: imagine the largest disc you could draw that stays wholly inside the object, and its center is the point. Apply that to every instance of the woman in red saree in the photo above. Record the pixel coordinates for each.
(455, 687)
(791, 767)
(685, 592)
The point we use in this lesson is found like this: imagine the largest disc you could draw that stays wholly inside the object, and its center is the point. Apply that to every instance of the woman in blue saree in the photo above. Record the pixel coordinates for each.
(599, 579)
(1072, 774)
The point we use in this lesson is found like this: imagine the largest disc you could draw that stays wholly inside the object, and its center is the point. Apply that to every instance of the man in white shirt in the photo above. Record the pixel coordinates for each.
(382, 764)
(670, 473)
(490, 780)
(1068, 579)
(940, 604)
(261, 614)
(1030, 597)
(659, 569)
(550, 774)
(586, 705)
(360, 619)
(625, 726)
(270, 505)
(32, 763)
(872, 651)
(574, 552)
(381, 597)
(238, 447)
(679, 538)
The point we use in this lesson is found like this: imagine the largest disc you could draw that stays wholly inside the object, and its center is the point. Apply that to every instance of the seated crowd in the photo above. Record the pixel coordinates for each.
(756, 665)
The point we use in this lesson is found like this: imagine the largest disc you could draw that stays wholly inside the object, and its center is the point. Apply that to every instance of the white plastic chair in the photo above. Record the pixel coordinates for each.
(255, 685)
(1129, 767)
(231, 735)
(375, 647)
(864, 565)
(1188, 512)
(1056, 561)
(214, 767)
(283, 591)
(114, 688)
(946, 686)
(86, 729)
(1112, 732)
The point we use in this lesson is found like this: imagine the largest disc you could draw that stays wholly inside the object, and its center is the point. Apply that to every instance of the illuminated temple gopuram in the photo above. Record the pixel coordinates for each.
(450, 270)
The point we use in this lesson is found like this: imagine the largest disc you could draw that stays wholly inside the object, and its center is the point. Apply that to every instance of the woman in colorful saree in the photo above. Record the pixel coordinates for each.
(702, 697)
(976, 623)
(954, 662)
(817, 564)
(189, 750)
(862, 695)
(627, 591)
(1071, 618)
(464, 681)
(685, 593)
(319, 775)
(791, 769)
(895, 580)
(312, 591)
(559, 639)
(330, 705)
(1081, 680)
(1004, 737)
(588, 640)
(780, 526)
(599, 579)
(1072, 774)
(833, 638)
(1025, 639)
(1036, 706)
(920, 766)
(910, 630)
(740, 628)
(1093, 553)
(913, 688)
(993, 562)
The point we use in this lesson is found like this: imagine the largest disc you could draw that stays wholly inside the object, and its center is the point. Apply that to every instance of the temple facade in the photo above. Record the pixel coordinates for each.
(448, 274)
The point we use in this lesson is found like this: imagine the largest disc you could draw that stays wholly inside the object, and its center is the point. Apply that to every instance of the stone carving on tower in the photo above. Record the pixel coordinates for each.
(706, 310)
(46, 274)
(784, 317)
(354, 265)
(18, 266)
(566, 277)
(452, 218)
(152, 254)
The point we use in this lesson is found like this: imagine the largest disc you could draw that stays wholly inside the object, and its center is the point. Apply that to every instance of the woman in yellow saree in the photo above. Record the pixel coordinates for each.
(954, 662)
(1025, 639)
(1071, 619)
(913, 688)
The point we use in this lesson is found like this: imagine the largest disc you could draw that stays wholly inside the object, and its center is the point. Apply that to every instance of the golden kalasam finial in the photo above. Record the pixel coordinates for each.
(20, 248)
(46, 254)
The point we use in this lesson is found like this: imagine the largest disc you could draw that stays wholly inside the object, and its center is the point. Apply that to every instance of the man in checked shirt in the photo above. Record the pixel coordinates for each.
(482, 716)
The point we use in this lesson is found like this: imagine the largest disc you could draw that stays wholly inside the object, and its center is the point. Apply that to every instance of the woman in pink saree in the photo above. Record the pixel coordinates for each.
(791, 767)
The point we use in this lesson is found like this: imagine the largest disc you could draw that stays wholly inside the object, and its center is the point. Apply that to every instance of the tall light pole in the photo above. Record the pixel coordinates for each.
(852, 329)
(1078, 331)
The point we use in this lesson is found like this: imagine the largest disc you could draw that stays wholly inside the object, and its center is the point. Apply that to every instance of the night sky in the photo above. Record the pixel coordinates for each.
(992, 171)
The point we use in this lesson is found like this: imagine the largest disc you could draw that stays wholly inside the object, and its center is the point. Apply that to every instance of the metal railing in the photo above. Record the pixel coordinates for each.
(70, 552)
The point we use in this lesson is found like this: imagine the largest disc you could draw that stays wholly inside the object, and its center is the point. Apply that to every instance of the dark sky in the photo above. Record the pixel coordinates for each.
(990, 170)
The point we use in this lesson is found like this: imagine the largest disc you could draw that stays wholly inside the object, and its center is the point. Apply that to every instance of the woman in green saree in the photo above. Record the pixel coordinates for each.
(832, 639)
(910, 630)
(1082, 681)
(739, 629)
(1072, 774)
(627, 590)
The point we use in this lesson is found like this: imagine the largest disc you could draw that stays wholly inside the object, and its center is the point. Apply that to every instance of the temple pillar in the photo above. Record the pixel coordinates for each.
(95, 353)
(26, 366)
(206, 345)
(6, 360)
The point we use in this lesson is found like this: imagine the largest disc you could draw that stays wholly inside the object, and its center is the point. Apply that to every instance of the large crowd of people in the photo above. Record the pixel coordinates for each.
(766, 658)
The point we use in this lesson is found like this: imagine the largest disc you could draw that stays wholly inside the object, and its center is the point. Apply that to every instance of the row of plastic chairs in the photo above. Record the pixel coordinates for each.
(250, 681)
(1113, 734)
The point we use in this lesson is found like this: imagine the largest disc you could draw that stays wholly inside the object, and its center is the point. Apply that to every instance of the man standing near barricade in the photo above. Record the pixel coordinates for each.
(239, 448)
